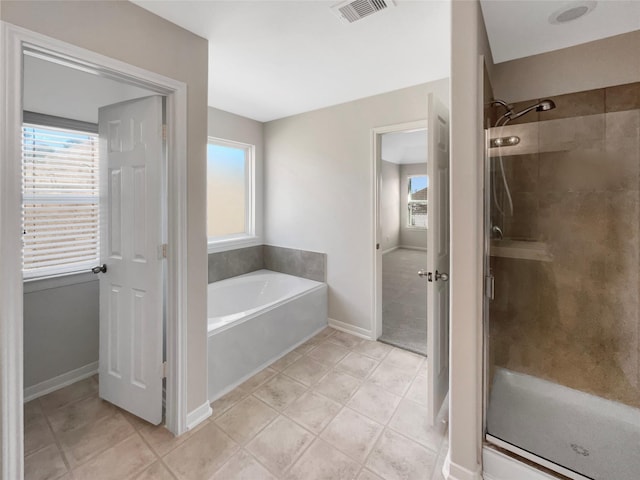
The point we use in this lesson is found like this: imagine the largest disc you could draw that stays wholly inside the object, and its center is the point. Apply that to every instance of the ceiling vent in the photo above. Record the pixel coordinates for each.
(354, 10)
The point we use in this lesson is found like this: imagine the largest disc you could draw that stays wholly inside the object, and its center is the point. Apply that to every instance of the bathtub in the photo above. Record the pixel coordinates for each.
(256, 318)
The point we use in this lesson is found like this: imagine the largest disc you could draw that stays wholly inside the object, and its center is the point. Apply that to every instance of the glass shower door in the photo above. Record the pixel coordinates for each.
(563, 245)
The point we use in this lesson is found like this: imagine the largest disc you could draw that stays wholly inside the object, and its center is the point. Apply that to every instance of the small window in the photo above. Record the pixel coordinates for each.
(60, 200)
(417, 201)
(230, 192)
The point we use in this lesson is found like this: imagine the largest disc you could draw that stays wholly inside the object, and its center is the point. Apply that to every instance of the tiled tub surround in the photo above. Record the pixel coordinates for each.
(301, 263)
(575, 179)
(338, 407)
(255, 319)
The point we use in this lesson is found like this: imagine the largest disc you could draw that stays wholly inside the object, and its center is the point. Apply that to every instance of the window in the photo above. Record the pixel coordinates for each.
(417, 201)
(230, 193)
(60, 200)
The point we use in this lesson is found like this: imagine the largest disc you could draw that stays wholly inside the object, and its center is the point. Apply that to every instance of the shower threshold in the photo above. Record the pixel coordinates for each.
(577, 434)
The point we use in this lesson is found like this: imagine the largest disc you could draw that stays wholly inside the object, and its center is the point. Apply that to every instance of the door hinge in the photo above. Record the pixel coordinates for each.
(162, 251)
(164, 369)
(489, 286)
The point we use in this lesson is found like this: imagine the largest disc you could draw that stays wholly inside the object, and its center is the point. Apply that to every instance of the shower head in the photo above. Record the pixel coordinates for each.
(541, 106)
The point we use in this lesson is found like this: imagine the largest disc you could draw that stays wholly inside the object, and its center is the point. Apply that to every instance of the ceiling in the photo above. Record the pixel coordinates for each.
(404, 147)
(272, 59)
(520, 28)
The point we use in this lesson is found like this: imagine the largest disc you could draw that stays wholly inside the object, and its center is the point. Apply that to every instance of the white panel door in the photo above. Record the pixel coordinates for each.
(438, 256)
(131, 288)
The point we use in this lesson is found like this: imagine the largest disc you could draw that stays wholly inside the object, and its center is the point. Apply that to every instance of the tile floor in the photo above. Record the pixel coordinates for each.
(337, 407)
(404, 300)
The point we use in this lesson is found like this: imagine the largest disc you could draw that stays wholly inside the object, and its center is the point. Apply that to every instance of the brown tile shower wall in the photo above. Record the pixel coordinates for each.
(574, 320)
(301, 263)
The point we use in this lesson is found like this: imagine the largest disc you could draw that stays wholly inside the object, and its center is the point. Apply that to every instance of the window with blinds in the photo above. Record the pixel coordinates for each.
(60, 203)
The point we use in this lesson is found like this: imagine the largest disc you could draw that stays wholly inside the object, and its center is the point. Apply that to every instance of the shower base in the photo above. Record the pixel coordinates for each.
(575, 433)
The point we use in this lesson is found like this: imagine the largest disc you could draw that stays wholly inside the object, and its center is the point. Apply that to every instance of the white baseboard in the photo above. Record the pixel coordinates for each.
(452, 471)
(199, 415)
(498, 466)
(411, 247)
(56, 383)
(389, 250)
(352, 329)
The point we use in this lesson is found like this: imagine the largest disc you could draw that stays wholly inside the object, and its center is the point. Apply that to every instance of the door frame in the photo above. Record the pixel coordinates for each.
(376, 171)
(13, 40)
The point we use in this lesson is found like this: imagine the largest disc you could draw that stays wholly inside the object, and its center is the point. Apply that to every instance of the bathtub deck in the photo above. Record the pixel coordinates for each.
(307, 416)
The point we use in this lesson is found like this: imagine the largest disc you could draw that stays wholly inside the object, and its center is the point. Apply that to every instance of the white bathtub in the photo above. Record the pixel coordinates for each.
(256, 318)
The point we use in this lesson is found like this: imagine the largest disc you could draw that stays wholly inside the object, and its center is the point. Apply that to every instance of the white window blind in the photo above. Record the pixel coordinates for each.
(60, 203)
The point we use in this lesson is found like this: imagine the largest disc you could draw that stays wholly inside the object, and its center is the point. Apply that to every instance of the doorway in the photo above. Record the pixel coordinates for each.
(18, 42)
(403, 218)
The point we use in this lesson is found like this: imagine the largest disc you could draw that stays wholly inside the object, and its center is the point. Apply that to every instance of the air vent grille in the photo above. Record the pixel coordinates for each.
(351, 11)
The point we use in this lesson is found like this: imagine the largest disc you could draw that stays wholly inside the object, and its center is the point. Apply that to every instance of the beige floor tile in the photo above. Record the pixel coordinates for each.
(407, 361)
(392, 378)
(410, 420)
(37, 433)
(245, 419)
(47, 464)
(368, 475)
(345, 339)
(69, 394)
(313, 411)
(418, 390)
(242, 466)
(357, 365)
(323, 462)
(280, 391)
(352, 433)
(118, 462)
(86, 441)
(397, 458)
(375, 350)
(200, 456)
(157, 471)
(285, 361)
(306, 370)
(328, 353)
(338, 386)
(280, 444)
(327, 332)
(79, 413)
(259, 378)
(227, 401)
(307, 346)
(374, 402)
(161, 440)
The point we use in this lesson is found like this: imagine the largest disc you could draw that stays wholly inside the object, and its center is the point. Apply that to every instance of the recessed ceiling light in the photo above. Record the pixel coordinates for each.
(572, 11)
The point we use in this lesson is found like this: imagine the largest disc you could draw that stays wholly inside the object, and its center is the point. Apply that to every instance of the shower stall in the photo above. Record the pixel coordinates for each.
(562, 282)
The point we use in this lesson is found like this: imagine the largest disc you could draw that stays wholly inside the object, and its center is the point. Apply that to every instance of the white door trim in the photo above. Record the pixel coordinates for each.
(12, 41)
(376, 286)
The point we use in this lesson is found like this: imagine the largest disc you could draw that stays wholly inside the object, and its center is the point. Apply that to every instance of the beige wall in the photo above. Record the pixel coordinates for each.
(318, 197)
(389, 205)
(469, 43)
(128, 33)
(603, 63)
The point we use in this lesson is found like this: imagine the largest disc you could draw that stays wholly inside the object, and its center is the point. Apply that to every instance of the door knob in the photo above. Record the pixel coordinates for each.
(100, 268)
(422, 274)
(442, 276)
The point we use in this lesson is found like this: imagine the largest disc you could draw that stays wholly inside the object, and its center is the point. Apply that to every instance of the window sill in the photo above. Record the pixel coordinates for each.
(233, 243)
(37, 284)
(416, 228)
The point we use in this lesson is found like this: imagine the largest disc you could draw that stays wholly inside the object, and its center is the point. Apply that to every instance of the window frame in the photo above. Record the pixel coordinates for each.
(53, 122)
(249, 237)
(418, 202)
